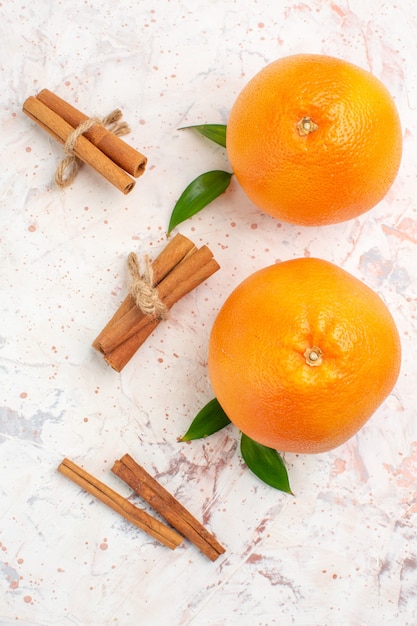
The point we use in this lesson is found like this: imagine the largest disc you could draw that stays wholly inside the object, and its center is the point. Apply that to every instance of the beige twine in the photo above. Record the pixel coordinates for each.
(142, 290)
(68, 168)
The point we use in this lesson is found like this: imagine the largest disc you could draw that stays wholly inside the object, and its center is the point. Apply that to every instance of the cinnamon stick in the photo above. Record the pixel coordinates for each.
(117, 503)
(129, 159)
(121, 355)
(84, 149)
(167, 506)
(178, 269)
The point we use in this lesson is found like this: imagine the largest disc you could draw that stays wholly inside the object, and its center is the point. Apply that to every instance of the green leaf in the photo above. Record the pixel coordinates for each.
(209, 420)
(215, 132)
(203, 190)
(265, 463)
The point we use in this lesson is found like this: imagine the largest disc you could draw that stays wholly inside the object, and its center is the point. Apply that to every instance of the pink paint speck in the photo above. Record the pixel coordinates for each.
(339, 467)
(406, 473)
(32, 228)
(337, 9)
(27, 599)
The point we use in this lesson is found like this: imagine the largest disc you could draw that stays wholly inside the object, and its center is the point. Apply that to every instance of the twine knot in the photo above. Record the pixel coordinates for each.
(142, 288)
(68, 168)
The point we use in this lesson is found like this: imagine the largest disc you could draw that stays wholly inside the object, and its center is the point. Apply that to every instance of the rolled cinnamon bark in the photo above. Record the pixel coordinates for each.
(167, 506)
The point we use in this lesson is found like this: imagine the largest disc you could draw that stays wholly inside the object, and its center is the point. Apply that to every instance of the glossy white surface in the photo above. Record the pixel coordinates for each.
(343, 550)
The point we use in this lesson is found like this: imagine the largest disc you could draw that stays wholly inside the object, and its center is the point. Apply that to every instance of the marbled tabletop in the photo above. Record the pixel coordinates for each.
(342, 550)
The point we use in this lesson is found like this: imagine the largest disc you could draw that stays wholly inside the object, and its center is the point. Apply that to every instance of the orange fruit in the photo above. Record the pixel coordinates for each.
(314, 140)
(301, 354)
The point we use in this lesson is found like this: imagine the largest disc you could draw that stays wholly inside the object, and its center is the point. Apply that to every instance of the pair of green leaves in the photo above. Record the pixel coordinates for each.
(206, 187)
(264, 462)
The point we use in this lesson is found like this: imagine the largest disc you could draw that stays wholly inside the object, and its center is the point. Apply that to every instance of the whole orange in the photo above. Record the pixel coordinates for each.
(314, 140)
(301, 354)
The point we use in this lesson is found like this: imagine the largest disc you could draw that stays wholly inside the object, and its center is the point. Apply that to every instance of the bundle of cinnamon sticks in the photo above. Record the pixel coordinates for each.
(98, 147)
(163, 502)
(178, 269)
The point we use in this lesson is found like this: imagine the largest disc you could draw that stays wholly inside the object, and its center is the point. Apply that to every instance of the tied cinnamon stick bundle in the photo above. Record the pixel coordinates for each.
(129, 159)
(167, 506)
(88, 140)
(117, 503)
(178, 269)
